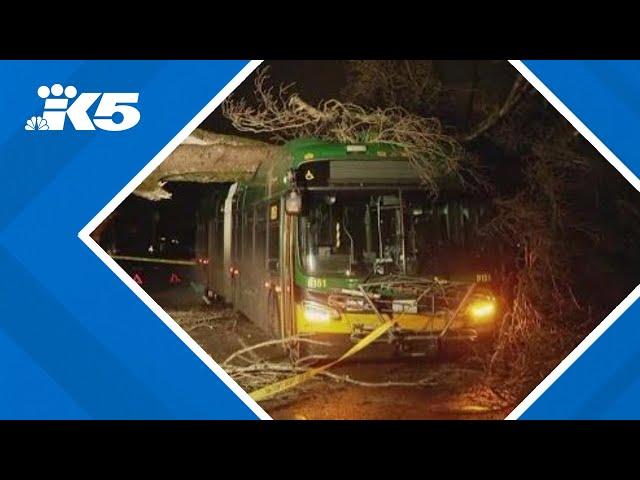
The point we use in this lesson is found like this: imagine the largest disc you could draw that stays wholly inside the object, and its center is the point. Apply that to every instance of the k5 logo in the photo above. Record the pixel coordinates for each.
(114, 113)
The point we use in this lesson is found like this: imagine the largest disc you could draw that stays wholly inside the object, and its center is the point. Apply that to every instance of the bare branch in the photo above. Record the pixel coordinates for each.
(411, 84)
(518, 90)
(285, 115)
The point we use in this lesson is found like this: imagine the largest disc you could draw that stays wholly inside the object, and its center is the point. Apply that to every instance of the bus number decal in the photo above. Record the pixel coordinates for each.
(317, 283)
(483, 277)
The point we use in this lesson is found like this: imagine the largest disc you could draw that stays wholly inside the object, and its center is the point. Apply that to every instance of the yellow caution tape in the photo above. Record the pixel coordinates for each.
(169, 261)
(278, 387)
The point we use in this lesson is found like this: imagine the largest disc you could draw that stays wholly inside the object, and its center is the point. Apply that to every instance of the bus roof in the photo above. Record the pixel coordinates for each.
(296, 153)
(305, 149)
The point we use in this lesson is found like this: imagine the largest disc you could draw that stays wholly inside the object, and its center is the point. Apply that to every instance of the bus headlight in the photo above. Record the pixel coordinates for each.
(318, 312)
(482, 310)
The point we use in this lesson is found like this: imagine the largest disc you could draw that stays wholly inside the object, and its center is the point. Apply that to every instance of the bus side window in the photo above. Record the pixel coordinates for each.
(235, 239)
(247, 232)
(199, 236)
(274, 238)
(218, 230)
(238, 222)
(260, 234)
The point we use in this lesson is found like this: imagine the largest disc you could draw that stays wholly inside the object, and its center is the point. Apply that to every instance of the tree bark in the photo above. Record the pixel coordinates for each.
(207, 158)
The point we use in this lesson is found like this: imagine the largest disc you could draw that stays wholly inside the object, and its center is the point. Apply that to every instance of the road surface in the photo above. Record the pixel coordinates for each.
(451, 390)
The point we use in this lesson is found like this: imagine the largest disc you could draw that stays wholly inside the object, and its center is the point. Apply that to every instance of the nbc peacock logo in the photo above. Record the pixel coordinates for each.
(36, 123)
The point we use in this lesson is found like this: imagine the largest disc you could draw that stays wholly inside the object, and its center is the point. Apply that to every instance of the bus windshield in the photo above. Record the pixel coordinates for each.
(365, 233)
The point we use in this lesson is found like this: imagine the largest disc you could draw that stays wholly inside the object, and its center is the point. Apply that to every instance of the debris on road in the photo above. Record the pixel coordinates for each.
(436, 389)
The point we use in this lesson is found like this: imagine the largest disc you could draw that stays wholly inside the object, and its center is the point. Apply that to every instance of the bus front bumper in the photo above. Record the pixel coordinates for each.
(396, 344)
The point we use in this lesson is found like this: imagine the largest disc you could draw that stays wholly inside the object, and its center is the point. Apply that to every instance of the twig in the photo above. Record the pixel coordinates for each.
(270, 343)
(250, 351)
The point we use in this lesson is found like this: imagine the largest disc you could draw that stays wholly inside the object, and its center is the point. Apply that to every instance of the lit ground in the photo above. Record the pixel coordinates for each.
(450, 389)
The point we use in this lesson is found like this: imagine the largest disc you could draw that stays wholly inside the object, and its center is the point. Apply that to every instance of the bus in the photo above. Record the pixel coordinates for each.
(328, 240)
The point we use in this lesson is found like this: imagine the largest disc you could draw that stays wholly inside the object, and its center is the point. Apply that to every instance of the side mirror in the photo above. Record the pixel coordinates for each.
(293, 203)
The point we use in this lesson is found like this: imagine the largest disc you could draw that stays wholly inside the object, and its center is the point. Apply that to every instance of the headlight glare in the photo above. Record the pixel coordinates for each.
(318, 312)
(482, 310)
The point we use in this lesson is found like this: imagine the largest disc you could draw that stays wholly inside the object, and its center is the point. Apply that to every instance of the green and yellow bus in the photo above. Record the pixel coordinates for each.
(329, 240)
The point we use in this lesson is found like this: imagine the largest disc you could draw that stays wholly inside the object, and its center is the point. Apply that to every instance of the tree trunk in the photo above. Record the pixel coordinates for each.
(207, 158)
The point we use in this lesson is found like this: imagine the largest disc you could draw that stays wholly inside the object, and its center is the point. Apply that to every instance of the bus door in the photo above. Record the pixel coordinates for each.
(287, 307)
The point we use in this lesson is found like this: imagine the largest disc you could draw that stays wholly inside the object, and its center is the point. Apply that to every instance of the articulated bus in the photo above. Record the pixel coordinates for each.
(329, 240)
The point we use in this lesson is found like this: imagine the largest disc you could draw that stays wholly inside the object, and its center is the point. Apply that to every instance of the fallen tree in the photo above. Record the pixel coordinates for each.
(207, 157)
